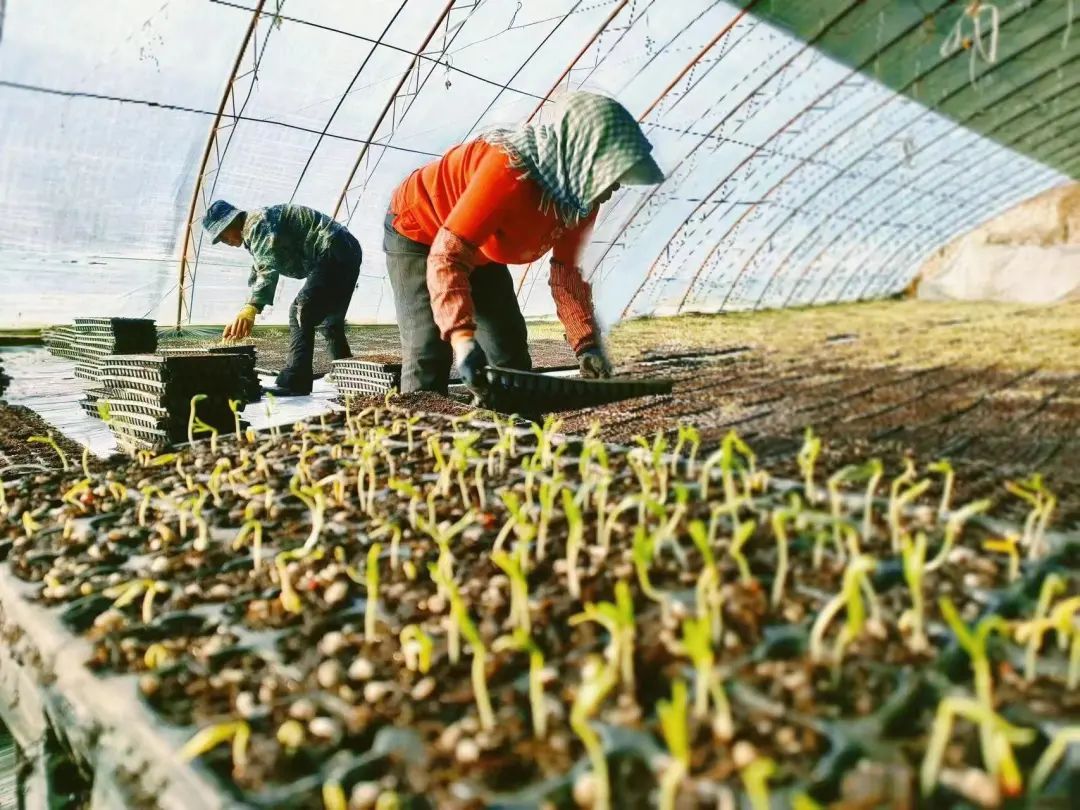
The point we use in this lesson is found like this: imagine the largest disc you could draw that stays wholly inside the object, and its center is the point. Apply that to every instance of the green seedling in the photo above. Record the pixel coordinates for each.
(255, 529)
(643, 553)
(460, 458)
(953, 527)
(1009, 546)
(998, 758)
(156, 656)
(850, 598)
(755, 778)
(519, 522)
(86, 462)
(72, 494)
(1063, 617)
(236, 732)
(1043, 502)
(371, 578)
(707, 594)
(290, 600)
(618, 619)
(779, 520)
(948, 479)
(807, 460)
(29, 524)
(575, 535)
(459, 616)
(676, 732)
(914, 560)
(521, 641)
(314, 499)
(49, 440)
(1053, 755)
(416, 647)
(687, 435)
(897, 504)
(549, 491)
(597, 680)
(544, 435)
(126, 593)
(195, 423)
(403, 487)
(1032, 632)
(234, 406)
(519, 590)
(394, 530)
(743, 532)
(443, 534)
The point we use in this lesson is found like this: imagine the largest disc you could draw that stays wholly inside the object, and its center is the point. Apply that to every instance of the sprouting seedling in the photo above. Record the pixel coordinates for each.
(255, 529)
(1009, 546)
(913, 553)
(643, 552)
(743, 532)
(618, 619)
(521, 641)
(687, 435)
(998, 758)
(195, 423)
(314, 499)
(779, 520)
(49, 440)
(403, 487)
(675, 728)
(29, 524)
(898, 503)
(394, 530)
(443, 534)
(697, 645)
(333, 795)
(856, 578)
(290, 600)
(519, 589)
(416, 647)
(1043, 502)
(86, 461)
(948, 476)
(519, 522)
(1053, 754)
(237, 732)
(755, 778)
(906, 477)
(459, 615)
(1062, 618)
(597, 680)
(575, 535)
(234, 406)
(549, 491)
(371, 577)
(1031, 632)
(953, 526)
(73, 493)
(707, 595)
(807, 459)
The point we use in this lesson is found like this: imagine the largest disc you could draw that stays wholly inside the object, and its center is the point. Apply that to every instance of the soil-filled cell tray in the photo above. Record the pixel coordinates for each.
(513, 391)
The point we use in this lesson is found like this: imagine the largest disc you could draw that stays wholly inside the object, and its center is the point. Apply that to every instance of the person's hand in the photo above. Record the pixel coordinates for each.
(594, 364)
(470, 361)
(240, 328)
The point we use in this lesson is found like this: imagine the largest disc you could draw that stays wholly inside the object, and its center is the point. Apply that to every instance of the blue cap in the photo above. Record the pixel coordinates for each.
(219, 216)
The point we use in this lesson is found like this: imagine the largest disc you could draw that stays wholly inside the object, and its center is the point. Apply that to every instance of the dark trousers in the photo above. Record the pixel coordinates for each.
(426, 357)
(321, 304)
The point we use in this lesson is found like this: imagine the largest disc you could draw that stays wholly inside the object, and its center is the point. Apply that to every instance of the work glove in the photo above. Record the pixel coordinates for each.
(594, 363)
(240, 328)
(471, 362)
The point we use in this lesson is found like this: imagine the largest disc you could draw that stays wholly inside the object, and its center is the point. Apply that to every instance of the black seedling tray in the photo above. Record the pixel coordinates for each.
(524, 392)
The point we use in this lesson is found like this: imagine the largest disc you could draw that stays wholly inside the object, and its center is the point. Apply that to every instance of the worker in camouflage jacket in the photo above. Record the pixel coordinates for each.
(298, 242)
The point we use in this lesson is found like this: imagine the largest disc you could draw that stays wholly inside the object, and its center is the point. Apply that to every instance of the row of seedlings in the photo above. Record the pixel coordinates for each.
(455, 613)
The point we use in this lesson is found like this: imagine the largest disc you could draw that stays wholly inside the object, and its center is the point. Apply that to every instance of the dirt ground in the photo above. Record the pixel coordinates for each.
(17, 425)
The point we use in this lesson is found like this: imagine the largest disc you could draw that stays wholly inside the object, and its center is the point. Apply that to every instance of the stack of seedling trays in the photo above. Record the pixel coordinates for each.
(527, 393)
(4, 380)
(149, 396)
(60, 341)
(97, 338)
(249, 377)
(357, 376)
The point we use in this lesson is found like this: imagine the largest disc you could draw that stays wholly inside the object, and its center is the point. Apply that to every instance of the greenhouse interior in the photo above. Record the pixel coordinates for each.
(599, 404)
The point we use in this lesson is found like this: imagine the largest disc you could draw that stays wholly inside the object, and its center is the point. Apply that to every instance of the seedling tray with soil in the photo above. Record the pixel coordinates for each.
(388, 605)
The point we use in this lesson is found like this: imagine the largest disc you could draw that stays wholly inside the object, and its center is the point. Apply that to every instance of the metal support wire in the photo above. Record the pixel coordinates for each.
(893, 134)
(189, 247)
(341, 100)
(1004, 153)
(342, 201)
(787, 125)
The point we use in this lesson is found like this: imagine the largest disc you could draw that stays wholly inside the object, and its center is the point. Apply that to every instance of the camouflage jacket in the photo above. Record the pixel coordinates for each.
(291, 240)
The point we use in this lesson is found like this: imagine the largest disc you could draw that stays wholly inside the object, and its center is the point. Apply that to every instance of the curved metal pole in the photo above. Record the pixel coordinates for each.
(389, 104)
(912, 202)
(874, 181)
(655, 189)
(573, 62)
(256, 13)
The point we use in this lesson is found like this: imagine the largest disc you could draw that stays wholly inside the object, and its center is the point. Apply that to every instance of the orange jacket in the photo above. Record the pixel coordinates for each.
(474, 193)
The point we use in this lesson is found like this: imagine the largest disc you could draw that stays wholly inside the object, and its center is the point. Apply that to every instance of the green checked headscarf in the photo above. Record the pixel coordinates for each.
(592, 143)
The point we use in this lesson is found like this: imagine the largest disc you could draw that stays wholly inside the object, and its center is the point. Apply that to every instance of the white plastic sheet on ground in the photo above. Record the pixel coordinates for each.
(106, 106)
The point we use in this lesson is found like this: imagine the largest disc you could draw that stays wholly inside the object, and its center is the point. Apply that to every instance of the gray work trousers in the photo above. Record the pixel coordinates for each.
(426, 357)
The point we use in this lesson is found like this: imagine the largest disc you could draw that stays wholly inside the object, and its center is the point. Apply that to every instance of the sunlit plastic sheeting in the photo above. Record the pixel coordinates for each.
(793, 178)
